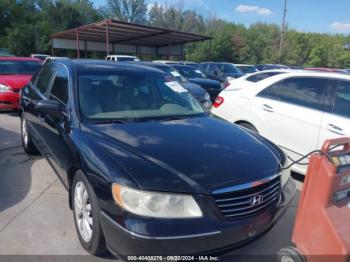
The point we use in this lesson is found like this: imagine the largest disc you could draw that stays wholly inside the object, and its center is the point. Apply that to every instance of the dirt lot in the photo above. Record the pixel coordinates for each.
(35, 218)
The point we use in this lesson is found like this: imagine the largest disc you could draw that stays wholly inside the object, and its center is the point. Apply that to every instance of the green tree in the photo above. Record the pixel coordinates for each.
(134, 11)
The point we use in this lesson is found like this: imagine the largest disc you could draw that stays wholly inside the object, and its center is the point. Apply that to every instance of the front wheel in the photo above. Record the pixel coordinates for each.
(86, 215)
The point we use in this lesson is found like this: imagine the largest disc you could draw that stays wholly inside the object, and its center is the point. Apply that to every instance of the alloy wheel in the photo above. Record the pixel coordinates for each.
(83, 214)
(25, 132)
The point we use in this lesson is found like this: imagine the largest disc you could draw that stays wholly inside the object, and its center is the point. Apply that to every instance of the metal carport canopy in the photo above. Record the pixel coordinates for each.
(124, 37)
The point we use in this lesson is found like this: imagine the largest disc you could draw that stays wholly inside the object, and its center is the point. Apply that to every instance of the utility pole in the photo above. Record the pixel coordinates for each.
(282, 30)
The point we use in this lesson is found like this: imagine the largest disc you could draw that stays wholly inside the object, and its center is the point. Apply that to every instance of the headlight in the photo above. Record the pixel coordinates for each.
(4, 88)
(151, 204)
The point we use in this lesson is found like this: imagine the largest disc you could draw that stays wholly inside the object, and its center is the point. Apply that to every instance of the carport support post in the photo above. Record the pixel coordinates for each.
(85, 49)
(78, 48)
(169, 45)
(182, 52)
(107, 37)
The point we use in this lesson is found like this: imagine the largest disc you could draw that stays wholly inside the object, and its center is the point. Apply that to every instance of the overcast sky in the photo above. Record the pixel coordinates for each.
(303, 15)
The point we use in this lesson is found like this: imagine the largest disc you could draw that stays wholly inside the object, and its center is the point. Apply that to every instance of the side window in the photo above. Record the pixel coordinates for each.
(271, 92)
(204, 67)
(44, 78)
(261, 76)
(342, 99)
(59, 89)
(303, 91)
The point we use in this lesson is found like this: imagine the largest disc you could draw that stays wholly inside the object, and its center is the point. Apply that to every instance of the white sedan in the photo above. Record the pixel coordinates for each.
(296, 110)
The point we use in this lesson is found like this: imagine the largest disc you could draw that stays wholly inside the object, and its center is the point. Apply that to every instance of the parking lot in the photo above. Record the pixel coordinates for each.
(35, 218)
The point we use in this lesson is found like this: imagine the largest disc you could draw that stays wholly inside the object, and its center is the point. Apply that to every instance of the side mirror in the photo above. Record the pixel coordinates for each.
(49, 107)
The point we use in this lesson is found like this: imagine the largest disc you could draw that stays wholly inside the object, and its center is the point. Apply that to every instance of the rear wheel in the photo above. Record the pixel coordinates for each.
(27, 142)
(86, 215)
(249, 127)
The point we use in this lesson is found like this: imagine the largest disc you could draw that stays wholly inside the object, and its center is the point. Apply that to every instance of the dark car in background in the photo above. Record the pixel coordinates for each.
(196, 90)
(222, 72)
(196, 76)
(263, 67)
(15, 72)
(246, 69)
(147, 169)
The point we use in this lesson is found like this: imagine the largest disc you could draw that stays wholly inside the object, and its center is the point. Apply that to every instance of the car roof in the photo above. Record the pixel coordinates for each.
(121, 56)
(243, 65)
(301, 73)
(41, 54)
(183, 66)
(311, 73)
(89, 64)
(153, 64)
(17, 58)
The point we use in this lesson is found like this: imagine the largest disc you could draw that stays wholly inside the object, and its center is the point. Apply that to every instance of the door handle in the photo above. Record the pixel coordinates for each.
(267, 108)
(335, 129)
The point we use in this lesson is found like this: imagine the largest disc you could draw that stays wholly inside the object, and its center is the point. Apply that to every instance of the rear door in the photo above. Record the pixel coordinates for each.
(33, 92)
(292, 111)
(336, 122)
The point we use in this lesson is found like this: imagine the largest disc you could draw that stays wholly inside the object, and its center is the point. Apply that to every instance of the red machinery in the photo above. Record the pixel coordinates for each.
(322, 226)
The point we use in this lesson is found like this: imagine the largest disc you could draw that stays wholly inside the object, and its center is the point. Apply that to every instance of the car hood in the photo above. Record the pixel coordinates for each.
(206, 83)
(194, 89)
(193, 155)
(15, 81)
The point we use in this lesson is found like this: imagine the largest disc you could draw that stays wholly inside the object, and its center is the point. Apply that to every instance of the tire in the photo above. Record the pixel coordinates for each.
(290, 254)
(27, 141)
(86, 211)
(249, 127)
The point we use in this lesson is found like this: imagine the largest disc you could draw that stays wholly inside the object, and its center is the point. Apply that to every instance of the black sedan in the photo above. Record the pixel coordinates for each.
(196, 76)
(148, 171)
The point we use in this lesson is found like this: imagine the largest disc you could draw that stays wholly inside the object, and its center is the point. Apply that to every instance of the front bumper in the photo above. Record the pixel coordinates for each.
(194, 237)
(9, 100)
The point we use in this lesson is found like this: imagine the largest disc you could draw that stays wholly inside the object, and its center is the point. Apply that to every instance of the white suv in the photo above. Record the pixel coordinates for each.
(295, 110)
(122, 58)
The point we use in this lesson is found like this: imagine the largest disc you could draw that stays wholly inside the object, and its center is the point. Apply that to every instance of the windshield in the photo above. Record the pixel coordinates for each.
(228, 69)
(247, 69)
(131, 96)
(12, 67)
(190, 72)
(171, 72)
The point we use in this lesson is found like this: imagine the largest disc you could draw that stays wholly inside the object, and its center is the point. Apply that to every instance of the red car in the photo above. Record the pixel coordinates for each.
(15, 73)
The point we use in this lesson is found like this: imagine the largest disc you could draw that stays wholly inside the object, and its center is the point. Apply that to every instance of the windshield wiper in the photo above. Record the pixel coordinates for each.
(171, 118)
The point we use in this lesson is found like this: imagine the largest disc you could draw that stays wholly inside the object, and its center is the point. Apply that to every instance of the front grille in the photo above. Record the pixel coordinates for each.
(249, 201)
